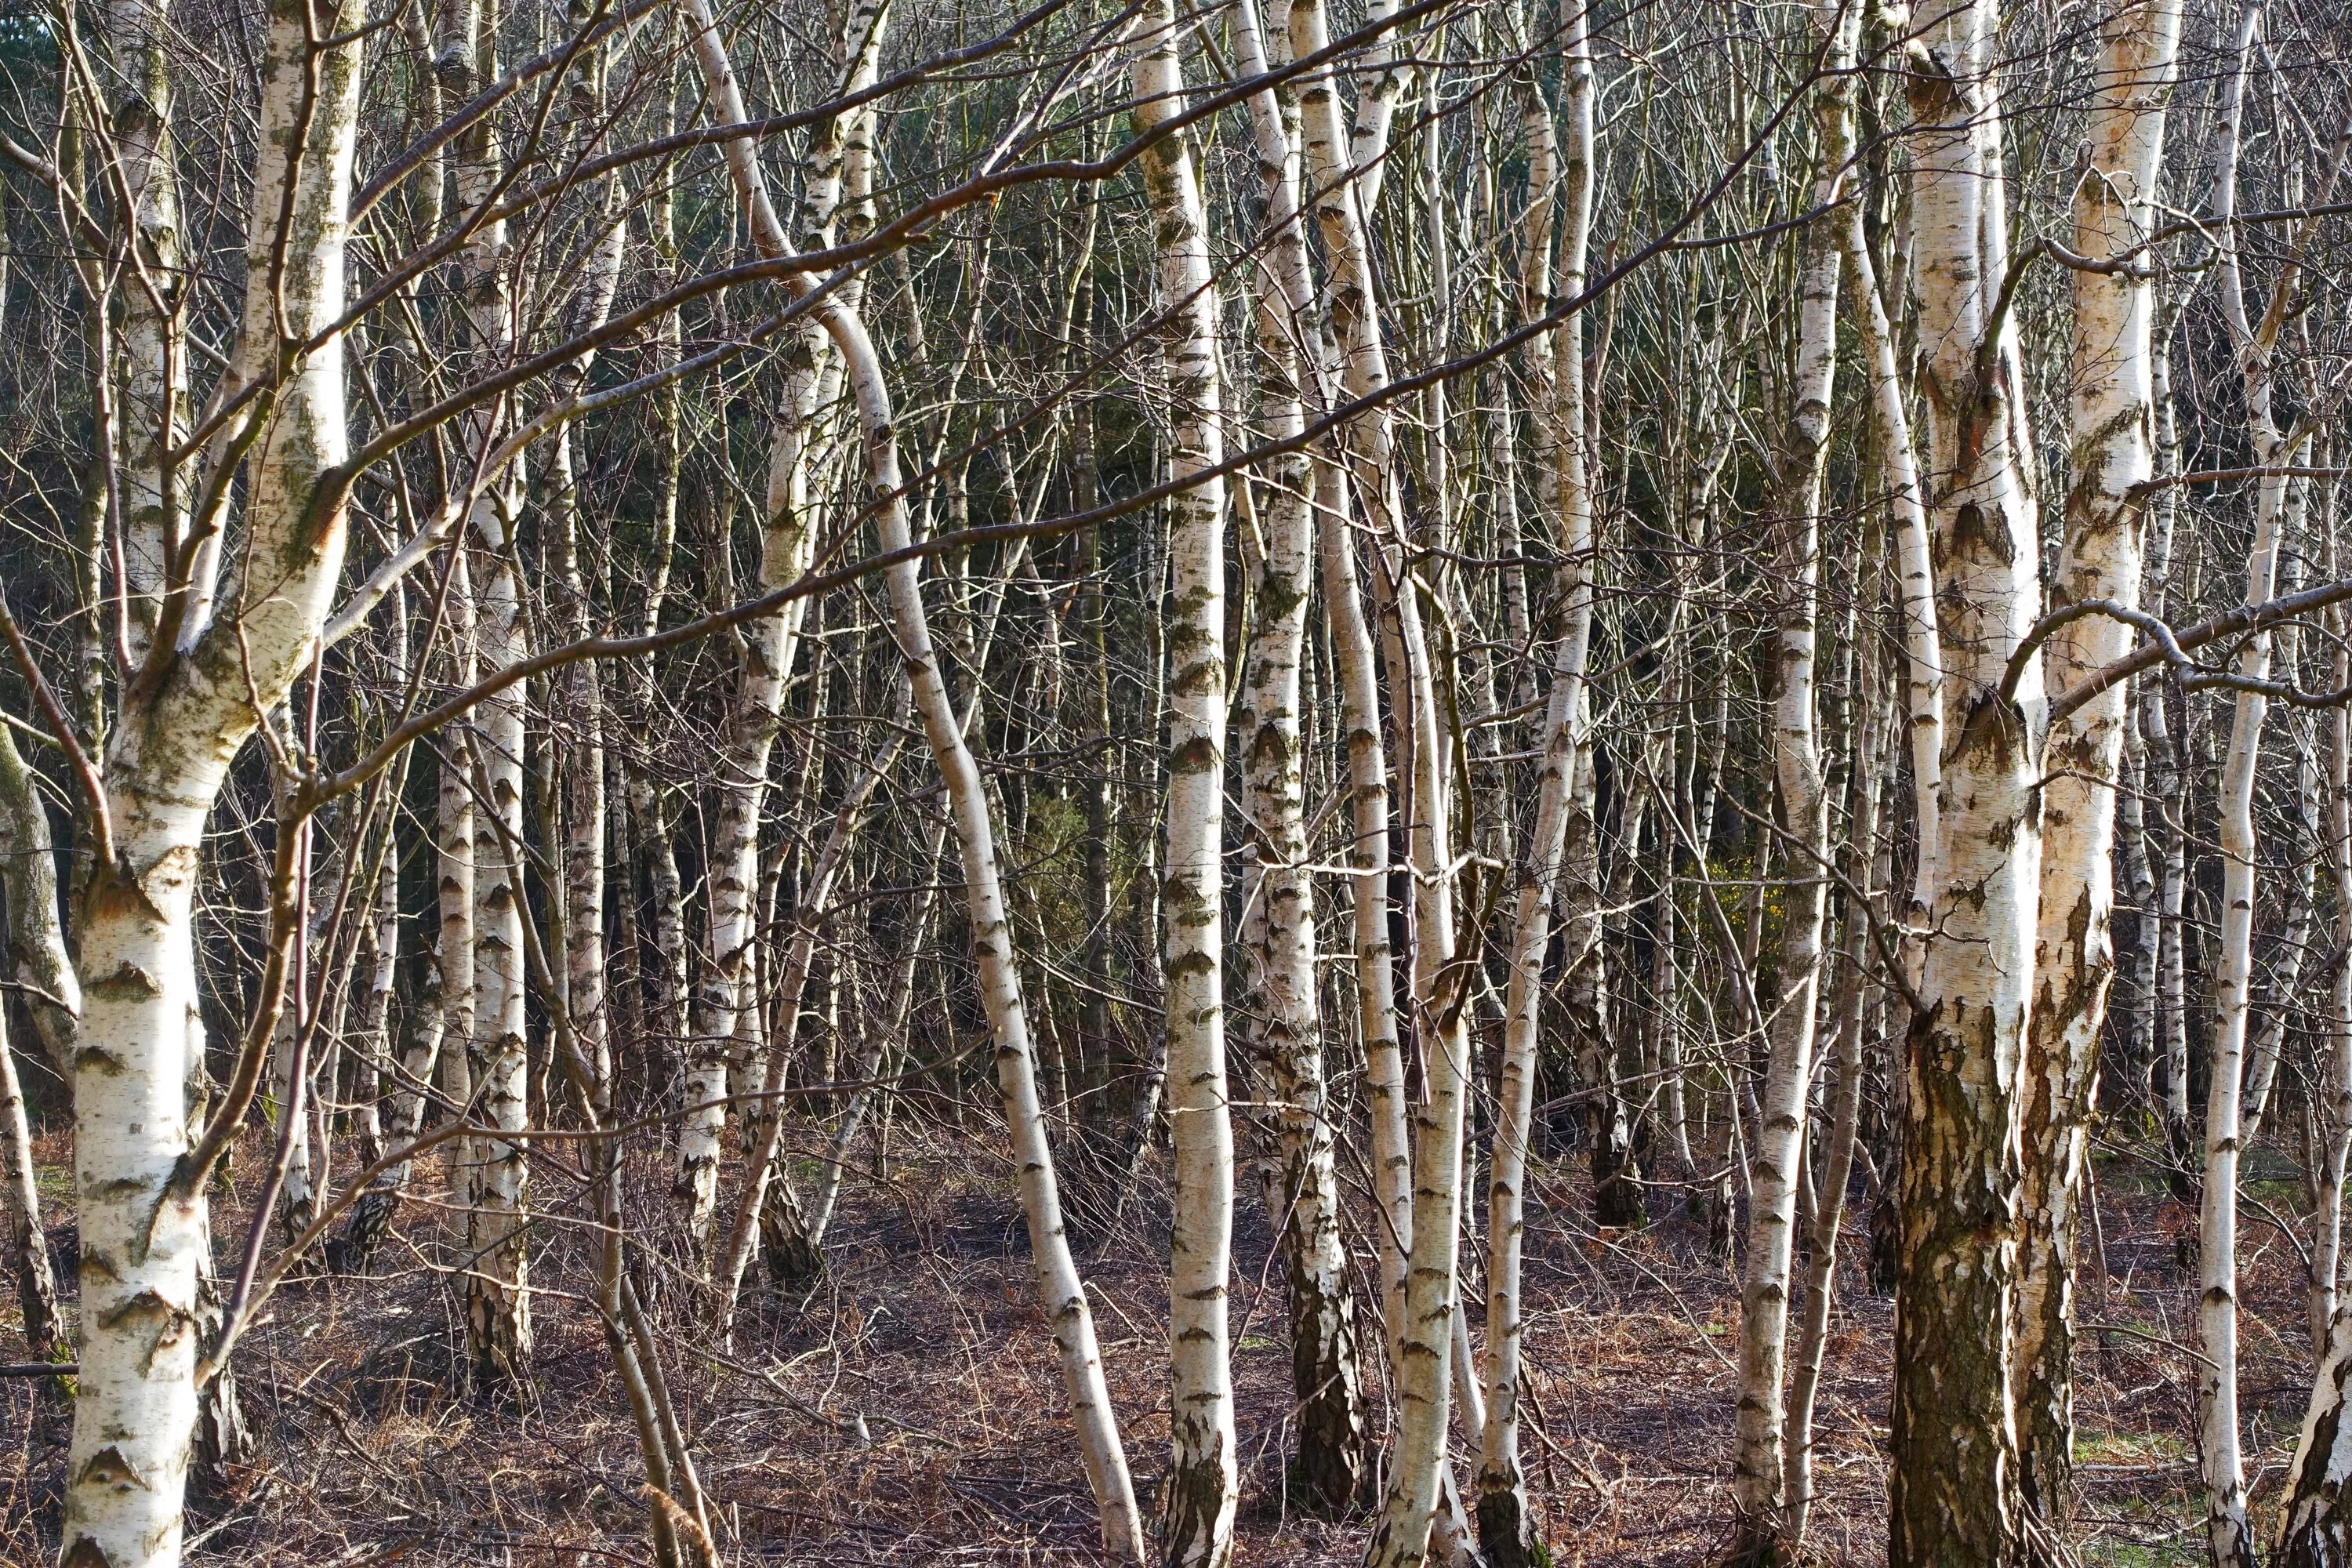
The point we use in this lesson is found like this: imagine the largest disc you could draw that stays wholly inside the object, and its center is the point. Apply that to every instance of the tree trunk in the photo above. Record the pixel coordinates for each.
(2229, 1533)
(28, 1244)
(145, 1245)
(1203, 1484)
(787, 539)
(1279, 1004)
(1954, 1491)
(1776, 1160)
(1847, 1072)
(2074, 963)
(1061, 1292)
(2315, 1524)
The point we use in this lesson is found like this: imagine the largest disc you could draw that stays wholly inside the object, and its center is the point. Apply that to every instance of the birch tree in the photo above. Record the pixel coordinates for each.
(1954, 1490)
(2112, 418)
(1760, 1466)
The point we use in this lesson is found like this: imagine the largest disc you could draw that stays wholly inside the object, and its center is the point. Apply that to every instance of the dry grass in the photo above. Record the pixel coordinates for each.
(909, 1411)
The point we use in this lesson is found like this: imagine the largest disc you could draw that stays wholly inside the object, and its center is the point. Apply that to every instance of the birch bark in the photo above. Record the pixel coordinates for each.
(496, 1284)
(145, 1240)
(2316, 1524)
(1281, 1006)
(2113, 438)
(28, 1243)
(1204, 1483)
(2229, 1533)
(1507, 1527)
(787, 538)
(1954, 1491)
(1776, 1159)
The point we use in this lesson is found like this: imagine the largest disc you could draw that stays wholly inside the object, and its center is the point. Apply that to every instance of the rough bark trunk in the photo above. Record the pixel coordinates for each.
(2114, 439)
(1954, 1490)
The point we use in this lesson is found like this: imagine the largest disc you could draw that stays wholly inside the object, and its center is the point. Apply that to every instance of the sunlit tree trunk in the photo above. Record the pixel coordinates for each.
(2165, 782)
(1061, 1292)
(1204, 1483)
(2229, 1533)
(152, 413)
(793, 1258)
(1419, 1477)
(2114, 439)
(1955, 1489)
(787, 538)
(490, 756)
(448, 1001)
(1907, 498)
(1847, 1072)
(1507, 1526)
(142, 1219)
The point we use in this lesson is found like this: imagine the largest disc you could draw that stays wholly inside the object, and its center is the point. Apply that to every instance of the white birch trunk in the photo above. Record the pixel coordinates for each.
(2333, 1115)
(762, 1171)
(1836, 1166)
(151, 415)
(2229, 1533)
(1281, 1009)
(36, 944)
(1776, 1159)
(2316, 1524)
(145, 1234)
(498, 1301)
(1204, 1482)
(2114, 439)
(787, 538)
(1507, 1527)
(1923, 662)
(28, 1243)
(1955, 1493)
(449, 982)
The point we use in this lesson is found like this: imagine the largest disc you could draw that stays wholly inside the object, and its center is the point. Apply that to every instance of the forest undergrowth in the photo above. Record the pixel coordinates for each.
(907, 1410)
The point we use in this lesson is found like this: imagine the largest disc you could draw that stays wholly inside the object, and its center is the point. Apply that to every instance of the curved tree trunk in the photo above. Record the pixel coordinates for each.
(1061, 1292)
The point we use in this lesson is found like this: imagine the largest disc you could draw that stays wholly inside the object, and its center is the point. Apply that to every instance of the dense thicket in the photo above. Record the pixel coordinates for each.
(1284, 605)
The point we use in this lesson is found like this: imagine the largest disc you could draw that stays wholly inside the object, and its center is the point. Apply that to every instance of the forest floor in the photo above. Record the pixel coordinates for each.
(909, 1410)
